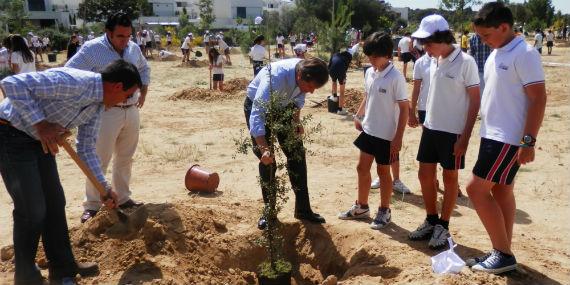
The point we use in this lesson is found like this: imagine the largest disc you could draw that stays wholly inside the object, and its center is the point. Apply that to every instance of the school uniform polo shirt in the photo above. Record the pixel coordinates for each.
(504, 103)
(448, 101)
(384, 89)
(421, 72)
(257, 53)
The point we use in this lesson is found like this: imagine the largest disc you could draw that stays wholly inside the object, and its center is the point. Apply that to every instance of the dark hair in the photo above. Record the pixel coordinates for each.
(493, 14)
(7, 42)
(19, 44)
(465, 32)
(378, 44)
(313, 70)
(439, 37)
(122, 71)
(258, 39)
(213, 55)
(118, 19)
(407, 34)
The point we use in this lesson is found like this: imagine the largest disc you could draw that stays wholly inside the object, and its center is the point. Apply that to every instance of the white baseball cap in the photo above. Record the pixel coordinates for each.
(300, 48)
(430, 25)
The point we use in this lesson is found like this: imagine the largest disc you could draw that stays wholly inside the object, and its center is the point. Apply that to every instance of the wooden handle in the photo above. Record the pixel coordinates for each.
(65, 144)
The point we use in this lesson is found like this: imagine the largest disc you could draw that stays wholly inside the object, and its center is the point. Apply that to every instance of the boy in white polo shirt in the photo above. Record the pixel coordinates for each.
(381, 118)
(512, 109)
(420, 91)
(451, 110)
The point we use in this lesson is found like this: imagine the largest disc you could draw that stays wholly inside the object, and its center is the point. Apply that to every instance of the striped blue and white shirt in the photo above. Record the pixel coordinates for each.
(66, 96)
(96, 54)
(283, 83)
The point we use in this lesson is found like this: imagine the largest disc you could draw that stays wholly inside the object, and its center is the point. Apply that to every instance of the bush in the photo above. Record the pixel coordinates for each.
(57, 40)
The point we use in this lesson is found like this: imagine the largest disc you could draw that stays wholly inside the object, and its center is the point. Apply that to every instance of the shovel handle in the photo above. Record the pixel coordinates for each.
(84, 168)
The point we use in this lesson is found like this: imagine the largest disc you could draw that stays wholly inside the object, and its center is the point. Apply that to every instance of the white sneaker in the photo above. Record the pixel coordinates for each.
(399, 187)
(383, 218)
(439, 237)
(354, 213)
(375, 184)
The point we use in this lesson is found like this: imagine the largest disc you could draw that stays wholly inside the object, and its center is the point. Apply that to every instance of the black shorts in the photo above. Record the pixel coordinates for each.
(185, 51)
(149, 44)
(549, 44)
(293, 44)
(497, 162)
(407, 57)
(168, 42)
(341, 78)
(141, 47)
(227, 51)
(218, 77)
(280, 46)
(421, 116)
(377, 147)
(437, 147)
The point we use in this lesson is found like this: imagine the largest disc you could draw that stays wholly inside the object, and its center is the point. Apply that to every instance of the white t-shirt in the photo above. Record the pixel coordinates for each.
(3, 59)
(257, 52)
(206, 38)
(45, 41)
(222, 44)
(24, 66)
(504, 103)
(421, 72)
(293, 38)
(165, 54)
(218, 70)
(384, 89)
(280, 39)
(538, 39)
(186, 43)
(448, 101)
(157, 38)
(404, 44)
(168, 38)
(550, 37)
(36, 42)
(90, 37)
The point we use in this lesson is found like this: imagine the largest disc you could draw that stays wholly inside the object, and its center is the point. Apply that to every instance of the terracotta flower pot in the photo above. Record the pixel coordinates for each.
(199, 179)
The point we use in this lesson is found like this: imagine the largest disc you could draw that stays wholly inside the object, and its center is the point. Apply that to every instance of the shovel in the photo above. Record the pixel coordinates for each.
(127, 227)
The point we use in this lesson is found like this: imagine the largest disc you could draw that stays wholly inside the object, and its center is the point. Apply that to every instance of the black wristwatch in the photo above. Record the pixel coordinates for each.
(527, 141)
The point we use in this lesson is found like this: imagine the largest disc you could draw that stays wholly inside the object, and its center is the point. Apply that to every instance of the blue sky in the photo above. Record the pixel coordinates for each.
(563, 5)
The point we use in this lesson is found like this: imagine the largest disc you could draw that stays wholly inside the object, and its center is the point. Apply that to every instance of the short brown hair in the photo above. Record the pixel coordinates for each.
(313, 70)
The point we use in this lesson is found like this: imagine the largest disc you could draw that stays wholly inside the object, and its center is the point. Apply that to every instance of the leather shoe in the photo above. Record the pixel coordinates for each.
(88, 214)
(87, 269)
(262, 223)
(311, 217)
(130, 203)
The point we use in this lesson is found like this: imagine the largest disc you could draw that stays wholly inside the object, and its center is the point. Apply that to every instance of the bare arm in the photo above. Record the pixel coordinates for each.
(396, 144)
(536, 95)
(460, 147)
(413, 119)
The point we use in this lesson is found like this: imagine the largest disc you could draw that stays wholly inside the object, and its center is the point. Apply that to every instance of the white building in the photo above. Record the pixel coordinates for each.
(277, 5)
(403, 12)
(51, 12)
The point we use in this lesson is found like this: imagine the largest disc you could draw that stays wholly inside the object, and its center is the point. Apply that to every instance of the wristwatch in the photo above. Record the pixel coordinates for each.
(527, 141)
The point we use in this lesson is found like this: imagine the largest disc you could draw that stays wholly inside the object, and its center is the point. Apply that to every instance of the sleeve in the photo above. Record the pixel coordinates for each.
(257, 117)
(399, 89)
(300, 101)
(528, 67)
(20, 91)
(142, 66)
(85, 143)
(417, 75)
(470, 73)
(16, 58)
(82, 59)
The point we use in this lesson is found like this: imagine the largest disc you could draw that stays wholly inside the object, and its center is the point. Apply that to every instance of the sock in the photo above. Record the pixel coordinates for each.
(383, 209)
(363, 206)
(504, 254)
(432, 219)
(444, 224)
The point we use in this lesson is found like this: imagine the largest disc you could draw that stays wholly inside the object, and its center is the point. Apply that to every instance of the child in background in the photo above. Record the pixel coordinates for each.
(338, 66)
(465, 41)
(217, 67)
(512, 109)
(381, 118)
(257, 54)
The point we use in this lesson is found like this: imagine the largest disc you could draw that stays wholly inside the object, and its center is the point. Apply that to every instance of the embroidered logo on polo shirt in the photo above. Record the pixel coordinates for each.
(503, 66)
(451, 76)
(381, 90)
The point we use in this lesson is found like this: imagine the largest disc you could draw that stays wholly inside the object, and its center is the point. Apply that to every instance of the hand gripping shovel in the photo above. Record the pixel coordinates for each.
(127, 227)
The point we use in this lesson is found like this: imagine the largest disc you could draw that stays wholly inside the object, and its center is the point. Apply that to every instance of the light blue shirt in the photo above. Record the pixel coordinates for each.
(96, 54)
(69, 97)
(283, 84)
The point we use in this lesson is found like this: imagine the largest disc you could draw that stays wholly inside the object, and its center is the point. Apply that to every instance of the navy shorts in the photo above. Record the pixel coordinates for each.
(497, 162)
(341, 78)
(407, 57)
(218, 77)
(437, 147)
(377, 147)
(421, 116)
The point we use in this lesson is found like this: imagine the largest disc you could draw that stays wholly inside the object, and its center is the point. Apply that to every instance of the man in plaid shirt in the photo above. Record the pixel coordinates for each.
(39, 107)
(480, 52)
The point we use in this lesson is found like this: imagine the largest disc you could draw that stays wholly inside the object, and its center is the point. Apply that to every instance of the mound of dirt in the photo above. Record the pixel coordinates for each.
(233, 88)
(353, 98)
(194, 63)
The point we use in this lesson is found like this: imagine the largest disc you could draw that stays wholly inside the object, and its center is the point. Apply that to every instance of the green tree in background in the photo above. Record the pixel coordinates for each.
(100, 10)
(462, 10)
(541, 10)
(207, 17)
(12, 13)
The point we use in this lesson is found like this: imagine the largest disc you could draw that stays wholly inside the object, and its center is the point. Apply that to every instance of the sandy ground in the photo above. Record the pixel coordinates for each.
(209, 239)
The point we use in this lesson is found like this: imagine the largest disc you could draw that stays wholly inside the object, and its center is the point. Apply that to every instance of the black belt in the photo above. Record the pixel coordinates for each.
(124, 106)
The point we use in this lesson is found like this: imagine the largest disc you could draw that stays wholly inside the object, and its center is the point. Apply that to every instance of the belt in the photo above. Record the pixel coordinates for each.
(124, 106)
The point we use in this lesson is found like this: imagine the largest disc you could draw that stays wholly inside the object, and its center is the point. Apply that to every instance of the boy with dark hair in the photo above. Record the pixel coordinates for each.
(338, 66)
(451, 110)
(512, 109)
(381, 133)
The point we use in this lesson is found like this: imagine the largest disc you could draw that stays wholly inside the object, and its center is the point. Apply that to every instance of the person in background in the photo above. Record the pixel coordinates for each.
(186, 47)
(224, 48)
(45, 42)
(22, 58)
(36, 45)
(404, 52)
(72, 46)
(480, 52)
(280, 39)
(300, 50)
(157, 41)
(292, 41)
(217, 68)
(168, 40)
(257, 54)
(549, 41)
(338, 66)
(90, 36)
(538, 41)
(206, 40)
(465, 41)
(5, 46)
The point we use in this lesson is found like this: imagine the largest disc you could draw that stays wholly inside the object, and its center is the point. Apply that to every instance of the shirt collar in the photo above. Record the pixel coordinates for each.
(385, 71)
(453, 55)
(107, 43)
(511, 45)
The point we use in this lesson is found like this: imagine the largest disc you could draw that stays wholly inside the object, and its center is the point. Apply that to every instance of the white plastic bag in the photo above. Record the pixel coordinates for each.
(447, 261)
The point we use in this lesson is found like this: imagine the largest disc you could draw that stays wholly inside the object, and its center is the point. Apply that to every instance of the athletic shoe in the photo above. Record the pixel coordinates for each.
(439, 237)
(399, 187)
(342, 112)
(423, 232)
(355, 212)
(496, 263)
(375, 184)
(383, 218)
(473, 261)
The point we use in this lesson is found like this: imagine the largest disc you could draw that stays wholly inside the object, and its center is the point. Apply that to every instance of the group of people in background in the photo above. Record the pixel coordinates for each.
(16, 56)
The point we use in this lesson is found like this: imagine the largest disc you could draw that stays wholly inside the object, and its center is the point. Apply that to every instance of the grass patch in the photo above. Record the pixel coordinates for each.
(182, 153)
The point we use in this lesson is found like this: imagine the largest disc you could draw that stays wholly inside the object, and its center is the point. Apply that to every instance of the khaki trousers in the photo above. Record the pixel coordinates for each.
(118, 137)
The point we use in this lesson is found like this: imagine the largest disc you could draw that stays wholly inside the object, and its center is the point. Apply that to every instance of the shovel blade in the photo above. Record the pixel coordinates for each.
(128, 226)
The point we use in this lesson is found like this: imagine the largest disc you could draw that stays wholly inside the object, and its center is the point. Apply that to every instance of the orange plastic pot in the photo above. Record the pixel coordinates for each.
(201, 180)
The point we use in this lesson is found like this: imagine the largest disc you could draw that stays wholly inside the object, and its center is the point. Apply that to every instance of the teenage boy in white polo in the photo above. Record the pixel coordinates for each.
(381, 118)
(512, 110)
(451, 110)
(420, 91)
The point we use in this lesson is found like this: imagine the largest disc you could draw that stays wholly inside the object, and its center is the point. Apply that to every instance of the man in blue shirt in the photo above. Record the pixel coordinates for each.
(290, 80)
(119, 133)
(39, 108)
(480, 52)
